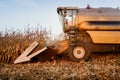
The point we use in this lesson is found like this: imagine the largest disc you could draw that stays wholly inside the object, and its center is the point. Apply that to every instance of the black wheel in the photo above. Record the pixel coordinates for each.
(79, 52)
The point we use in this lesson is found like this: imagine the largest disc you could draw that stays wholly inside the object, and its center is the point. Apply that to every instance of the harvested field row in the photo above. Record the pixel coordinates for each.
(99, 67)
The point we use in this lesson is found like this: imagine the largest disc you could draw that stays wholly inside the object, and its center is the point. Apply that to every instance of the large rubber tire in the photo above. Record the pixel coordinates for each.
(80, 52)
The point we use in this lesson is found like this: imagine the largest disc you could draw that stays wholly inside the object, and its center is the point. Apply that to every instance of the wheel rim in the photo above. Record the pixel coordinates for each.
(79, 52)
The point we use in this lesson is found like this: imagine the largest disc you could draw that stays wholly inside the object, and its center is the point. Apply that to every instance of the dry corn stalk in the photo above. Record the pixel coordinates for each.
(12, 44)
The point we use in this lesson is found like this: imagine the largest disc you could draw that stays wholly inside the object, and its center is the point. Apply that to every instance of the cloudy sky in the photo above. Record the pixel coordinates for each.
(19, 13)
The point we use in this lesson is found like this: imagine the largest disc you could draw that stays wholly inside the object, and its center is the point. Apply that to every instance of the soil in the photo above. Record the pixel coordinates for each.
(101, 66)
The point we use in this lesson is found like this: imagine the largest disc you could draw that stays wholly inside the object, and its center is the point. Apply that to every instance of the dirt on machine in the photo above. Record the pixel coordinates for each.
(88, 30)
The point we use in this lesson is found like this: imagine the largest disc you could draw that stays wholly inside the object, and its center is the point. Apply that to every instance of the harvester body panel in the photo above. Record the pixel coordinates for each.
(98, 14)
(105, 37)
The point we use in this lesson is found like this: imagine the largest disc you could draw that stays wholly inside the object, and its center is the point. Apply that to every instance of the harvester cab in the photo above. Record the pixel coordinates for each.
(67, 16)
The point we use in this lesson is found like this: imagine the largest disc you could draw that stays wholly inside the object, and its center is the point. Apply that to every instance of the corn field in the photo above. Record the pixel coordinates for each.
(13, 43)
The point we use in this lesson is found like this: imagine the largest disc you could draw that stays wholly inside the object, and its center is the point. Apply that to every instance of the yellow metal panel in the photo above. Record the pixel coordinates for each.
(98, 14)
(106, 37)
(82, 18)
(99, 26)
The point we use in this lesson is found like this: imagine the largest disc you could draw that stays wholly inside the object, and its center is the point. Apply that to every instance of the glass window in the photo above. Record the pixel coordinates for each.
(67, 16)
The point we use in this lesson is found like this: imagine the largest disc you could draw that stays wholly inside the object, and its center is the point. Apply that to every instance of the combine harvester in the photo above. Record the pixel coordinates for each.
(88, 30)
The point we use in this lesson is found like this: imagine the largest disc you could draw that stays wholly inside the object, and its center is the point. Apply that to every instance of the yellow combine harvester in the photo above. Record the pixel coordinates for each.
(90, 30)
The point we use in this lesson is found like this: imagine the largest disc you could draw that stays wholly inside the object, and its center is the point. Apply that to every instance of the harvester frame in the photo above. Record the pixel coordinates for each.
(90, 30)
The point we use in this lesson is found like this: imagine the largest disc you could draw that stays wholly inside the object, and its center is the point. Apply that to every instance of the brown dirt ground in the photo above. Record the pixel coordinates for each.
(101, 66)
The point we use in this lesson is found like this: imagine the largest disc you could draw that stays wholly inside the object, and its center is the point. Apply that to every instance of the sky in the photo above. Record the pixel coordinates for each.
(16, 14)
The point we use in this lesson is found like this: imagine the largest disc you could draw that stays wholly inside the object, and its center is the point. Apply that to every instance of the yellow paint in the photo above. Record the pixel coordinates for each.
(106, 37)
(62, 46)
(98, 27)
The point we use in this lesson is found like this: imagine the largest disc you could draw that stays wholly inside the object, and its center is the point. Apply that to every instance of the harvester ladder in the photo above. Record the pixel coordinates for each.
(73, 36)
